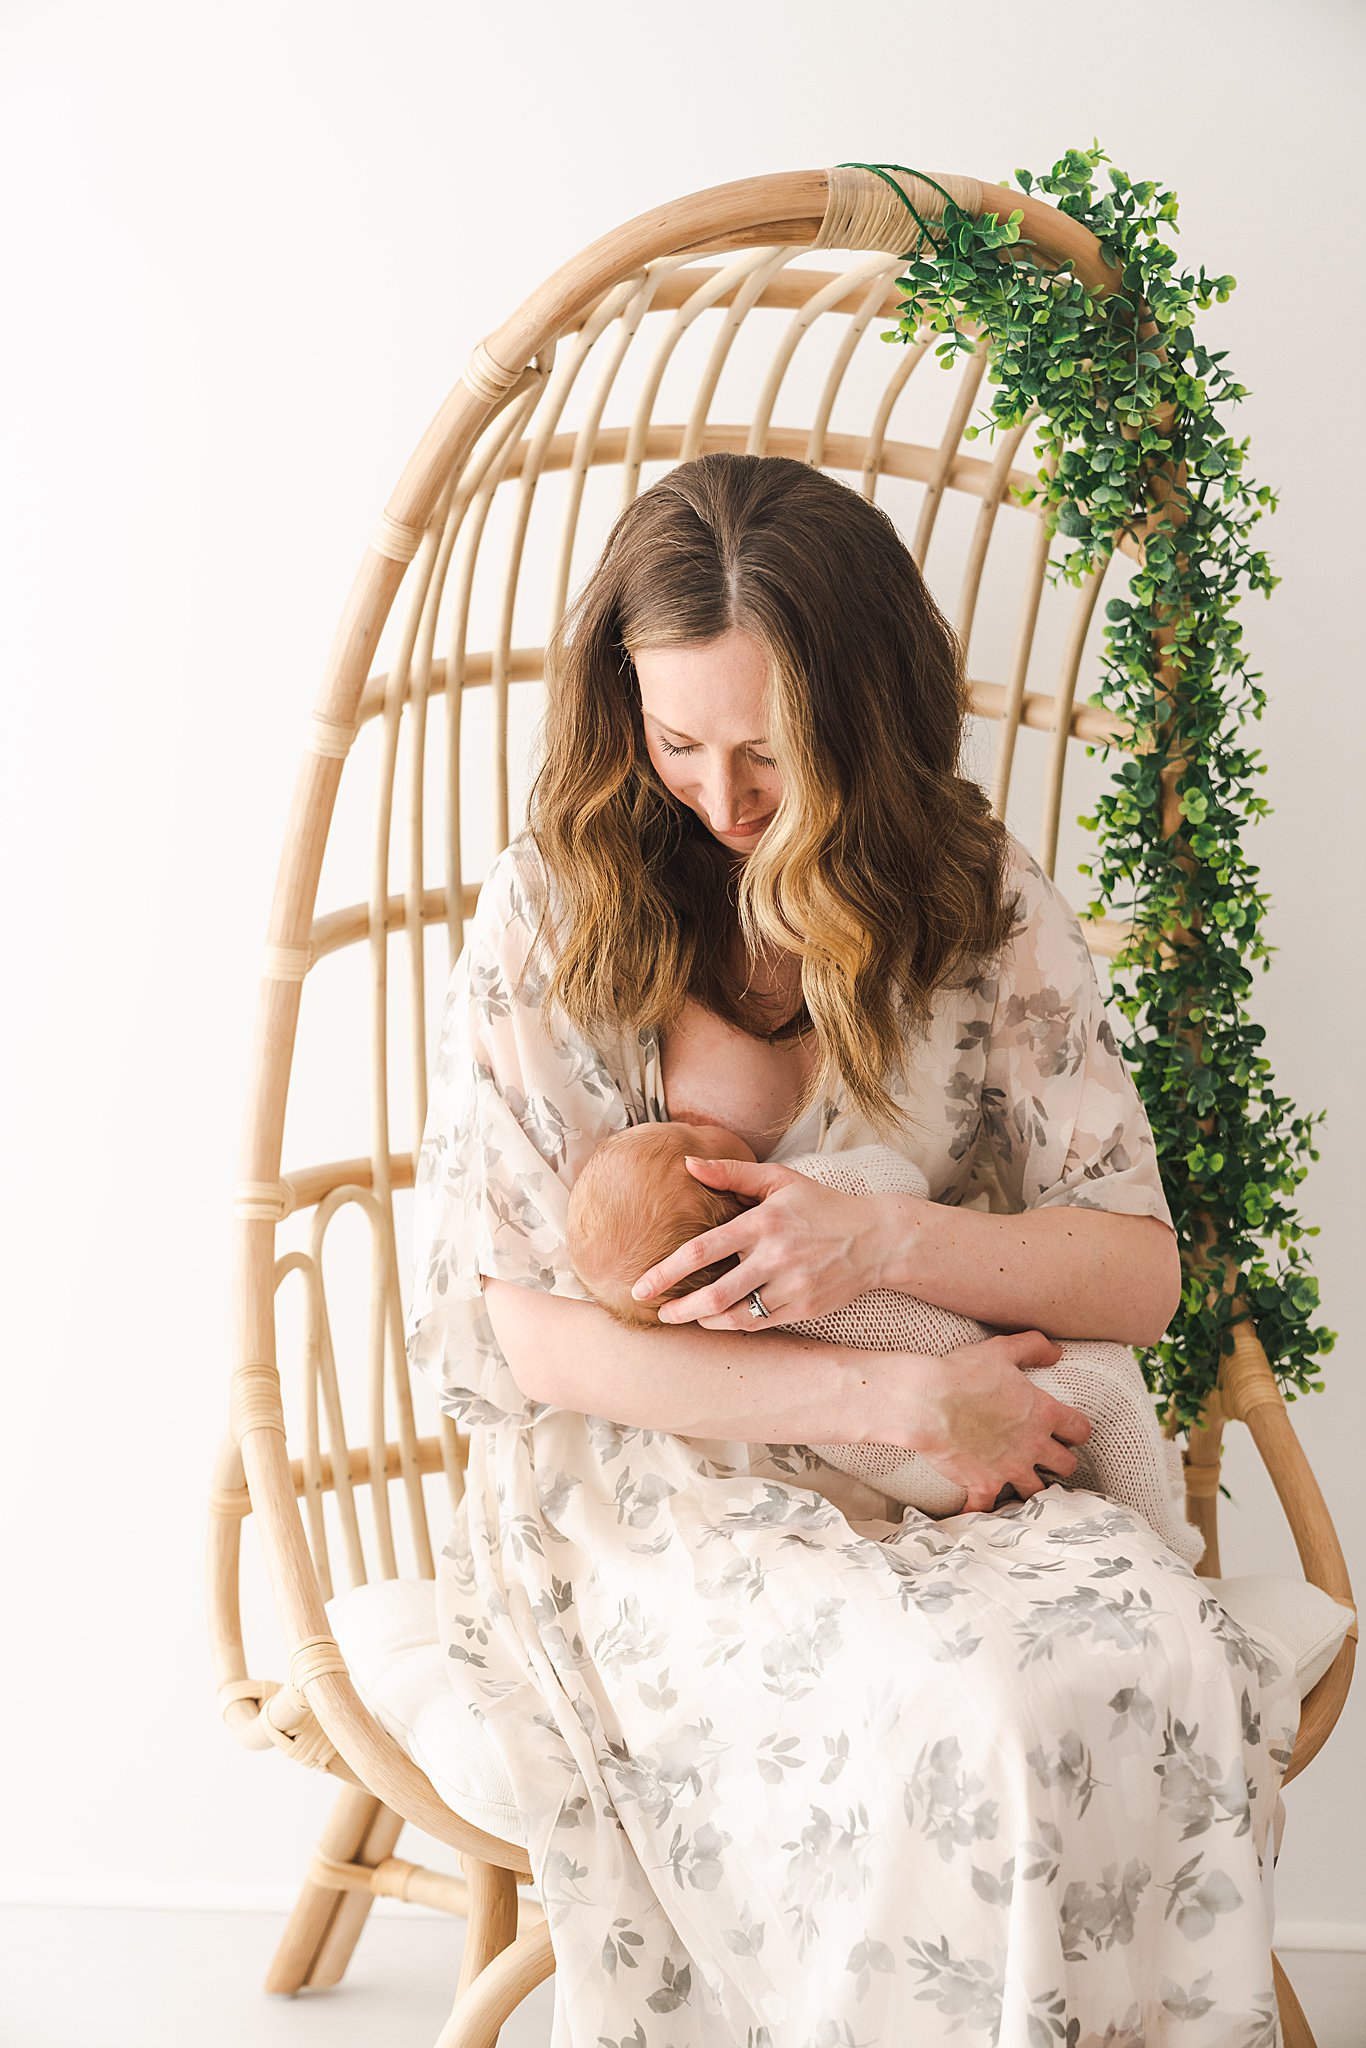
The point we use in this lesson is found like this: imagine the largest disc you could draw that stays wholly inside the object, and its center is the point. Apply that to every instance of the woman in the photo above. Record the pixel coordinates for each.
(796, 1770)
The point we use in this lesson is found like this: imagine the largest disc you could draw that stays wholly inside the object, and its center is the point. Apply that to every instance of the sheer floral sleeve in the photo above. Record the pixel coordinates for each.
(1062, 1121)
(514, 1111)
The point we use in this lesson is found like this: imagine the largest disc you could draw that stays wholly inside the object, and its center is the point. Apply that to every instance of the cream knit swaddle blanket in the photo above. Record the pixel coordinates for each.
(1127, 1458)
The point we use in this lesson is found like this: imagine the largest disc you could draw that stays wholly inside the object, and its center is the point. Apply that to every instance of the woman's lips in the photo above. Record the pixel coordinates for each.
(752, 825)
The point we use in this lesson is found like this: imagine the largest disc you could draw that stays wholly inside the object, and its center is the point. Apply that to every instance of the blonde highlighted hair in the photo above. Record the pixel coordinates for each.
(883, 867)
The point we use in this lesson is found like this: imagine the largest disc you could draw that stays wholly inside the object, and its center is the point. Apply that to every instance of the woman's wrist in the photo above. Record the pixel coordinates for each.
(1070, 1270)
(888, 1393)
(891, 1243)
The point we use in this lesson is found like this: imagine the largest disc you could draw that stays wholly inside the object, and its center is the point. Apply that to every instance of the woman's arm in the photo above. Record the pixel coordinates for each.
(981, 1420)
(780, 1388)
(1078, 1239)
(1070, 1271)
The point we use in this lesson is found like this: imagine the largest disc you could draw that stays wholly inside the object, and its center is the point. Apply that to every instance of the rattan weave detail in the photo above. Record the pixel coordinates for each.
(863, 212)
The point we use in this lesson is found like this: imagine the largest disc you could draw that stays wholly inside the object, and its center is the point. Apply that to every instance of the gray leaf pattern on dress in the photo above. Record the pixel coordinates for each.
(796, 1773)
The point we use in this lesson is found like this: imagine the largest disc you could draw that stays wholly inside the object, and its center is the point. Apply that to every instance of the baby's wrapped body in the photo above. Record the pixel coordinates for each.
(635, 1202)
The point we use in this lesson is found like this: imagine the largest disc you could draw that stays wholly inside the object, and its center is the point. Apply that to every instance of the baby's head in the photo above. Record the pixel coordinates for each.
(634, 1202)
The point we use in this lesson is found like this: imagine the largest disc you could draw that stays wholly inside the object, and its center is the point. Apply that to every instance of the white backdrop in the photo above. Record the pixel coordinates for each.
(247, 254)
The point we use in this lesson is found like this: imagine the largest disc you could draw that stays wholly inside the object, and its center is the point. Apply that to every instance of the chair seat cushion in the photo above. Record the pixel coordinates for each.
(1305, 1620)
(388, 1635)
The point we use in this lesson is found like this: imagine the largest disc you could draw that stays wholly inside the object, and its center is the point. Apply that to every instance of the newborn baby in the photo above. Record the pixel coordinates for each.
(634, 1202)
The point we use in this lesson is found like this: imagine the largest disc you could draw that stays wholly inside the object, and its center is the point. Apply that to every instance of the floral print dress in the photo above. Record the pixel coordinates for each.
(802, 1768)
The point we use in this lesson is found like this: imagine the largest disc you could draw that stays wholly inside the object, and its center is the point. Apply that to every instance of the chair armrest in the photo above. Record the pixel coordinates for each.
(1249, 1392)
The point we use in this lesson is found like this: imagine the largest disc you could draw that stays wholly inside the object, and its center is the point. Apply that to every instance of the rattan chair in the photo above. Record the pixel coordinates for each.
(717, 321)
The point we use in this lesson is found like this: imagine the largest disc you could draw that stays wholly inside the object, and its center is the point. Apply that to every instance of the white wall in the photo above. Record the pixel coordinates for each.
(248, 252)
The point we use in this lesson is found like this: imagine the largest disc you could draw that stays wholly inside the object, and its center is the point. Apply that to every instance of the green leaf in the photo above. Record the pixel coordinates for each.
(1232, 1151)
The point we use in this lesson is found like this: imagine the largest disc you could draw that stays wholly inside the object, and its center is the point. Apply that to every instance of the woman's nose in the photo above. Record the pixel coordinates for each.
(730, 796)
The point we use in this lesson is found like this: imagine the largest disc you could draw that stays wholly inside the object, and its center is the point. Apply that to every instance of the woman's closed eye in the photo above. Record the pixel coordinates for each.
(764, 760)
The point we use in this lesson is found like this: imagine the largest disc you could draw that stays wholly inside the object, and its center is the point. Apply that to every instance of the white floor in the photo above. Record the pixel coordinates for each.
(82, 1977)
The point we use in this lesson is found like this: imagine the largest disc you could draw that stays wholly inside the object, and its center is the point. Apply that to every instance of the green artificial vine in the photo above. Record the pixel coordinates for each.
(1229, 1149)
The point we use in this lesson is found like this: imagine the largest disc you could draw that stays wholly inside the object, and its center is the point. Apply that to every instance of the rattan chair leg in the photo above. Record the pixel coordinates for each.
(492, 1923)
(300, 1955)
(1296, 2031)
(344, 1928)
(482, 2006)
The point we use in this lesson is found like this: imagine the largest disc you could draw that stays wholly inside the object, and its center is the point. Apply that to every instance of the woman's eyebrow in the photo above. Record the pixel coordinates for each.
(674, 733)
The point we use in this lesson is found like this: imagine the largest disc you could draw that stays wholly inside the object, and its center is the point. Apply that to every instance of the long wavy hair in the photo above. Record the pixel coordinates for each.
(883, 867)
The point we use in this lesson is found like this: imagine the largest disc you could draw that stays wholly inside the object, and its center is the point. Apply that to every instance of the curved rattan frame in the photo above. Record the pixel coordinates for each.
(317, 1716)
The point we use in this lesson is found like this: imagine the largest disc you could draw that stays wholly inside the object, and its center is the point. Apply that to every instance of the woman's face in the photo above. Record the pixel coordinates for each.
(702, 707)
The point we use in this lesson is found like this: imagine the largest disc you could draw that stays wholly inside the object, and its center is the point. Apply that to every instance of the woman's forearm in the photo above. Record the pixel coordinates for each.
(773, 1387)
(1069, 1272)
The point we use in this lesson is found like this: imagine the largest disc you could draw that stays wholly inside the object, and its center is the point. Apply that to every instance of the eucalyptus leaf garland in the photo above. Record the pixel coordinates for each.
(1118, 413)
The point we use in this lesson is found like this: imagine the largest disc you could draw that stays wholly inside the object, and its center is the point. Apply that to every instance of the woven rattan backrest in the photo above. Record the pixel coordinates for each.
(744, 343)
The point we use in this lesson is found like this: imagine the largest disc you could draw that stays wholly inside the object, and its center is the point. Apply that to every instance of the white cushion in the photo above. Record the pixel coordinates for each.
(1304, 1620)
(388, 1635)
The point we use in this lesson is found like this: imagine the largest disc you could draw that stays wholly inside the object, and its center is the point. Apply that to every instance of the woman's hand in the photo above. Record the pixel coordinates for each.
(804, 1244)
(981, 1421)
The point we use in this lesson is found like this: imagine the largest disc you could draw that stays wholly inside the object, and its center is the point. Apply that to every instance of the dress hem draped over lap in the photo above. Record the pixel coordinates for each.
(800, 1768)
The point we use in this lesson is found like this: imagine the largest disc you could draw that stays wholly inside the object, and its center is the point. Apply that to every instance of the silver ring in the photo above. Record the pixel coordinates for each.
(756, 1307)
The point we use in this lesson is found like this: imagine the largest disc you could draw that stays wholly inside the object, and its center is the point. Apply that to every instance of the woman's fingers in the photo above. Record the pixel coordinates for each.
(723, 1305)
(753, 1181)
(1070, 1425)
(1028, 1347)
(739, 1317)
(720, 1243)
(717, 1306)
(986, 1423)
